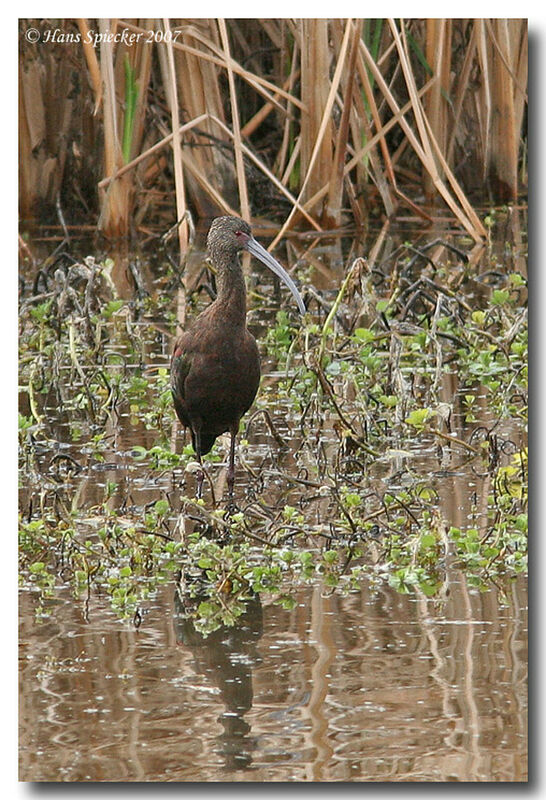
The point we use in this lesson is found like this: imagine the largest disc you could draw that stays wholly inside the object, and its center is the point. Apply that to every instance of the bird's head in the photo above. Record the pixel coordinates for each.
(228, 236)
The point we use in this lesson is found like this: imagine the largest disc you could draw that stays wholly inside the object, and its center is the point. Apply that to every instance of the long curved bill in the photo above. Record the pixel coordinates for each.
(266, 258)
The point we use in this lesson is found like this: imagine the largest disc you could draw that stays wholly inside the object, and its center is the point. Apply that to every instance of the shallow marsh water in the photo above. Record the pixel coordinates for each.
(373, 685)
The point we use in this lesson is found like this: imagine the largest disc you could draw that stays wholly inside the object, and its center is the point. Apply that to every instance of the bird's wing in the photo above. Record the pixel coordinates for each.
(180, 367)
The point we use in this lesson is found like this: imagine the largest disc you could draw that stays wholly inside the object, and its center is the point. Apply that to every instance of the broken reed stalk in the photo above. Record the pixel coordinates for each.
(264, 87)
(192, 170)
(394, 120)
(366, 106)
(423, 146)
(273, 179)
(264, 111)
(150, 151)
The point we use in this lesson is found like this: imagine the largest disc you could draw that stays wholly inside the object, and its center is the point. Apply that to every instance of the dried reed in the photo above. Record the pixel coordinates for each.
(325, 118)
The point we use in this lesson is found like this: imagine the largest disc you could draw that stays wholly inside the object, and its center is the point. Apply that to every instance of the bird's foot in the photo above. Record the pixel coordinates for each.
(232, 507)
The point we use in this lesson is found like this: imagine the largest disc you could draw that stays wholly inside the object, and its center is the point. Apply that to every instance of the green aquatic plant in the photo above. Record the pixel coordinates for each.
(341, 465)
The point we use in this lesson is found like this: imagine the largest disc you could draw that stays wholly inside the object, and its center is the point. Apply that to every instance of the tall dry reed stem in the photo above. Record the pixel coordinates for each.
(172, 96)
(316, 124)
(207, 152)
(333, 208)
(114, 214)
(239, 161)
(438, 55)
(320, 133)
(507, 53)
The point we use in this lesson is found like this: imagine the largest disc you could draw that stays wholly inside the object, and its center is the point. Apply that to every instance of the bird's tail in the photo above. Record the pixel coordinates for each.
(207, 440)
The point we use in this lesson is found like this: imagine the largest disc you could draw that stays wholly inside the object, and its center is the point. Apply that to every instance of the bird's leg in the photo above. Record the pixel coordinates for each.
(200, 474)
(231, 467)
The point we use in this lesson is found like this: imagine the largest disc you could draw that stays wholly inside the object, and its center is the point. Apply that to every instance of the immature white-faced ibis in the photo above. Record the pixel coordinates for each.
(215, 368)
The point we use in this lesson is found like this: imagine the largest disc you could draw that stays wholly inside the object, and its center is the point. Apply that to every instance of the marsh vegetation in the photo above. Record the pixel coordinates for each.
(388, 436)
(388, 439)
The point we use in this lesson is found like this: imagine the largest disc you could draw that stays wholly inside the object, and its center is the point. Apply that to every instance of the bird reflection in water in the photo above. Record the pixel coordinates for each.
(226, 656)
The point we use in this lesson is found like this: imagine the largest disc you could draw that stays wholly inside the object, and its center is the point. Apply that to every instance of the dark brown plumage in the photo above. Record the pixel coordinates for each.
(215, 368)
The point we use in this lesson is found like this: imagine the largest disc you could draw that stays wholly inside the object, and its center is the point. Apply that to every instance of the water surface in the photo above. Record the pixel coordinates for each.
(374, 686)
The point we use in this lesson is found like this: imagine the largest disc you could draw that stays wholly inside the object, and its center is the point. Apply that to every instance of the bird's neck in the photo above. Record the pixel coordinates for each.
(231, 299)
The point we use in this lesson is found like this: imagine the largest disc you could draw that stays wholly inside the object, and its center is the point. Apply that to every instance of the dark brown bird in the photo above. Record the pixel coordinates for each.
(215, 368)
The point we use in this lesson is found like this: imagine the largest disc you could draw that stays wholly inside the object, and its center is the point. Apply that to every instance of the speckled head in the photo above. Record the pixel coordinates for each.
(227, 237)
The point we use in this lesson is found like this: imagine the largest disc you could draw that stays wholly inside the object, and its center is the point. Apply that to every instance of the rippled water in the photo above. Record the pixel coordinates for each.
(375, 686)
